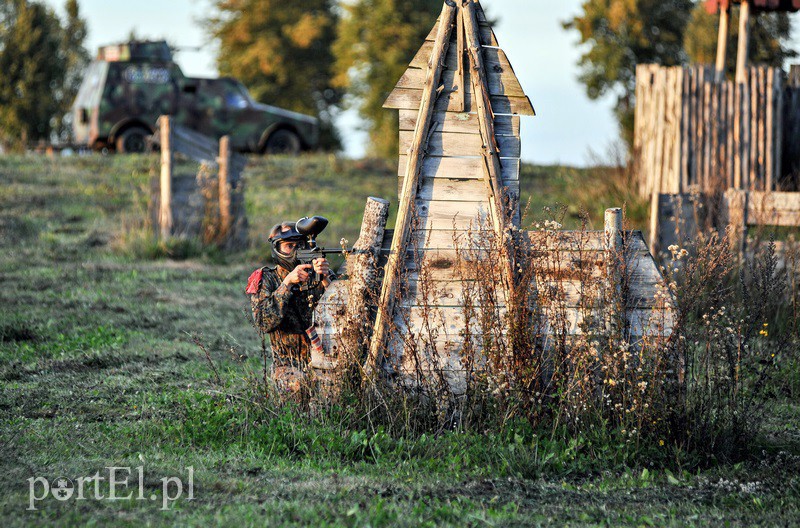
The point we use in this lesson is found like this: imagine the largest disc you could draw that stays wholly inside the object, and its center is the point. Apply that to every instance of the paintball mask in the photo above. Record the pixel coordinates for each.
(284, 232)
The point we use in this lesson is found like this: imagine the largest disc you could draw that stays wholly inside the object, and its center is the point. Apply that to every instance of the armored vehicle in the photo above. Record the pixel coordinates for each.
(128, 86)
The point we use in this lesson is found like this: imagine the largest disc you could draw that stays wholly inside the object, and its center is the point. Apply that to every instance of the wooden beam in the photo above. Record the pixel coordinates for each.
(460, 78)
(404, 214)
(722, 42)
(491, 155)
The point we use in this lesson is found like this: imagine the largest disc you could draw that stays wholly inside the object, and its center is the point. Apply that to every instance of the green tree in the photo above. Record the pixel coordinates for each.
(282, 52)
(33, 68)
(377, 40)
(769, 35)
(76, 58)
(619, 34)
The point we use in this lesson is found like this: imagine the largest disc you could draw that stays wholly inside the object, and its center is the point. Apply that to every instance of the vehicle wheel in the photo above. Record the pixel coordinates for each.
(283, 142)
(132, 140)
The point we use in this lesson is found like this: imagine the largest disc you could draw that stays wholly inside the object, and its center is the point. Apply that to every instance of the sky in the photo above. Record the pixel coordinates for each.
(569, 128)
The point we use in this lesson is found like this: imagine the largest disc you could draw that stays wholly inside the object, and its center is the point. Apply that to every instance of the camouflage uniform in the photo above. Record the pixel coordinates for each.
(284, 313)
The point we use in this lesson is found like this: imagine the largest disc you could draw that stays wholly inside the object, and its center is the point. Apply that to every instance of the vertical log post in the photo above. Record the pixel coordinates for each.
(410, 184)
(362, 268)
(613, 229)
(615, 260)
(744, 37)
(165, 208)
(722, 40)
(224, 162)
(735, 212)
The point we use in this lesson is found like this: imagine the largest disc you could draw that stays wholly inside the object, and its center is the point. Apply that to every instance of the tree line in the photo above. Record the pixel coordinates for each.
(319, 56)
(42, 58)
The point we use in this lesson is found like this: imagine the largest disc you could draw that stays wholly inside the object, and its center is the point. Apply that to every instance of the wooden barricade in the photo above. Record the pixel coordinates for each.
(199, 205)
(692, 131)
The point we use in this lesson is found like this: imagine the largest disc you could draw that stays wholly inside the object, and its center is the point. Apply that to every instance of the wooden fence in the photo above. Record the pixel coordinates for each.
(691, 131)
(199, 205)
(791, 127)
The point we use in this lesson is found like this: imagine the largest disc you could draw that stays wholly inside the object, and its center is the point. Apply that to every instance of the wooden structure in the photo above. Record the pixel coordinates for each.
(697, 132)
(686, 130)
(203, 205)
(459, 105)
(694, 134)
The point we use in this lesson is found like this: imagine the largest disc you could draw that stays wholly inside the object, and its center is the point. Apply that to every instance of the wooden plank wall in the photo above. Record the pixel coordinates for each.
(790, 179)
(686, 130)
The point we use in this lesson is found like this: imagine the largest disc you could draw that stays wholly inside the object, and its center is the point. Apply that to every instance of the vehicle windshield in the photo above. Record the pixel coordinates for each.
(236, 96)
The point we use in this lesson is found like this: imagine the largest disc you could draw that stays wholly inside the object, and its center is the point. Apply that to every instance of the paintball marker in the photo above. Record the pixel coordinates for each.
(310, 228)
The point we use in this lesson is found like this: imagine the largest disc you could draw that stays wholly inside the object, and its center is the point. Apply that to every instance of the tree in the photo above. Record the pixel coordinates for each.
(76, 59)
(376, 41)
(769, 33)
(33, 68)
(619, 34)
(282, 52)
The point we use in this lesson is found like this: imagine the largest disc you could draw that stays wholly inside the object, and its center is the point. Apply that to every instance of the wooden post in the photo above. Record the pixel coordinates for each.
(741, 53)
(224, 161)
(613, 229)
(735, 212)
(165, 209)
(362, 268)
(722, 40)
(410, 183)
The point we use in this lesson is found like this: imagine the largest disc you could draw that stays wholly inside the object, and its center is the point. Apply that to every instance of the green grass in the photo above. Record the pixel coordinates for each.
(98, 369)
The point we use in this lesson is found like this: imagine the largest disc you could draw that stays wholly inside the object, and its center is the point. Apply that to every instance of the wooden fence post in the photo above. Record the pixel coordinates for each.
(735, 212)
(224, 186)
(165, 209)
(741, 53)
(613, 229)
(722, 42)
(362, 268)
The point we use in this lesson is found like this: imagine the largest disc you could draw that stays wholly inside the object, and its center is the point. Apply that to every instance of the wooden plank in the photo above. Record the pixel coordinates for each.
(496, 59)
(449, 210)
(462, 168)
(449, 145)
(407, 98)
(731, 142)
(459, 190)
(644, 322)
(502, 82)
(773, 208)
(769, 130)
(488, 37)
(685, 120)
(572, 293)
(780, 111)
(461, 123)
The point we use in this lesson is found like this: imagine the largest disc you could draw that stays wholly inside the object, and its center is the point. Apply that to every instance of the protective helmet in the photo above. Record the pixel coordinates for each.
(281, 233)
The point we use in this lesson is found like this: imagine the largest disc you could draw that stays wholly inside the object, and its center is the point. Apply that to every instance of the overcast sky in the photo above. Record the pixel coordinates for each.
(567, 126)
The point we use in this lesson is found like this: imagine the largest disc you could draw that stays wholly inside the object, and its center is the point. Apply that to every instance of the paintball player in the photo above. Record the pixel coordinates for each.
(283, 310)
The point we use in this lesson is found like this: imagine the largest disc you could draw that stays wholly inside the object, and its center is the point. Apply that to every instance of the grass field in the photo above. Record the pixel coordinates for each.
(98, 368)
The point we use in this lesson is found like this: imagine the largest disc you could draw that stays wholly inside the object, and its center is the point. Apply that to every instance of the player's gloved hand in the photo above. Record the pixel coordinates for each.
(300, 274)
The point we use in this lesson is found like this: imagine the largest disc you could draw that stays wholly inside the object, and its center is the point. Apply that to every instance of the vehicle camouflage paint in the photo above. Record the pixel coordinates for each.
(128, 86)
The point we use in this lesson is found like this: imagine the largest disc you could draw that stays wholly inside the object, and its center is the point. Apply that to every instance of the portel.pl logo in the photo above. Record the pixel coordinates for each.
(113, 487)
